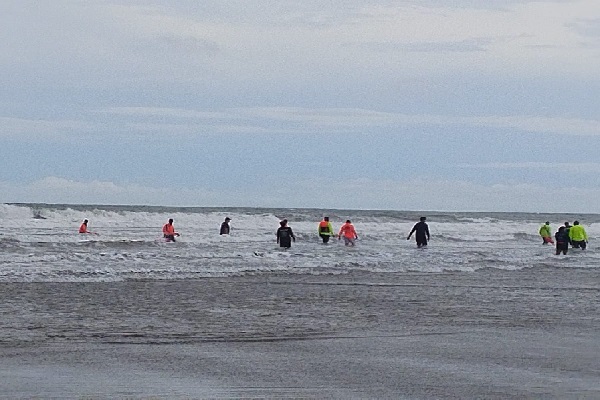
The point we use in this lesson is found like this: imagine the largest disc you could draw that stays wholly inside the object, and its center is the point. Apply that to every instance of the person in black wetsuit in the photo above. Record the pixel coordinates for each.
(225, 228)
(562, 241)
(422, 231)
(285, 235)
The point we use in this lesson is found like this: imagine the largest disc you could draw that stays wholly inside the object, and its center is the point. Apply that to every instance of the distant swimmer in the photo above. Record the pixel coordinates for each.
(225, 228)
(325, 230)
(578, 236)
(349, 233)
(422, 231)
(38, 215)
(562, 241)
(285, 235)
(84, 228)
(546, 233)
(169, 231)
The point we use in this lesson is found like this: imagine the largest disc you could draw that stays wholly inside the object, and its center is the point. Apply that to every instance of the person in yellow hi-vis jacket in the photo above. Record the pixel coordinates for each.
(546, 233)
(578, 236)
(325, 230)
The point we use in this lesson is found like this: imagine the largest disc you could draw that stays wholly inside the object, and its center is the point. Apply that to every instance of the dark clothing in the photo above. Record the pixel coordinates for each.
(421, 241)
(224, 228)
(422, 233)
(562, 237)
(170, 238)
(579, 244)
(285, 236)
(562, 248)
(567, 233)
(562, 242)
(325, 238)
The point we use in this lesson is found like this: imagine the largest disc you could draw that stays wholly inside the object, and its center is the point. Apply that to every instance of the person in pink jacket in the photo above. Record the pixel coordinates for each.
(349, 233)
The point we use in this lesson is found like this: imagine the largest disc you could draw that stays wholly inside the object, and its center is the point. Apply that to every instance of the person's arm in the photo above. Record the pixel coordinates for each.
(584, 234)
(411, 232)
(330, 227)
(292, 235)
(427, 232)
(277, 234)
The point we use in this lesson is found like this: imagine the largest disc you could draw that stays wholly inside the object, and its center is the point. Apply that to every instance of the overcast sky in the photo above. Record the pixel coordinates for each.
(474, 105)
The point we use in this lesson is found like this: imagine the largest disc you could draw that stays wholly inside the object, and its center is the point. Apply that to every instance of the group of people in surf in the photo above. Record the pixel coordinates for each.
(168, 230)
(285, 234)
(566, 235)
(347, 231)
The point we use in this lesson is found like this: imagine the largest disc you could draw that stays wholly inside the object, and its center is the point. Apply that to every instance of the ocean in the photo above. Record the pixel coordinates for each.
(485, 311)
(129, 243)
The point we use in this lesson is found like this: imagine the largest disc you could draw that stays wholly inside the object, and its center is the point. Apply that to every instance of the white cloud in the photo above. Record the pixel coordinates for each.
(95, 42)
(140, 121)
(66, 191)
(307, 120)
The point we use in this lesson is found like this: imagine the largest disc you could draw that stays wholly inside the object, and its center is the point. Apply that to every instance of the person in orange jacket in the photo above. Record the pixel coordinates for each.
(349, 233)
(325, 230)
(169, 231)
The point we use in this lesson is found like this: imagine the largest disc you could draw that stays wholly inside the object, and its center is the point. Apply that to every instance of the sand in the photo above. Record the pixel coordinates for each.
(489, 334)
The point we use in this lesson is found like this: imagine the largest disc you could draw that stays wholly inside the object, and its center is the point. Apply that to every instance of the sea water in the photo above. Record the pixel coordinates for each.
(40, 243)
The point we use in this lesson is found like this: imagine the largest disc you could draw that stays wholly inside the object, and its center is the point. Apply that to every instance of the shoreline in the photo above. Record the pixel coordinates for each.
(490, 333)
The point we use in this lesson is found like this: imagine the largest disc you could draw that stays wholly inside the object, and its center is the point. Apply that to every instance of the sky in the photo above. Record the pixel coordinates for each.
(463, 105)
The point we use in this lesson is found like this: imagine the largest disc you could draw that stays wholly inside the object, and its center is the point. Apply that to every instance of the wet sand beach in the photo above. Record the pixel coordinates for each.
(531, 333)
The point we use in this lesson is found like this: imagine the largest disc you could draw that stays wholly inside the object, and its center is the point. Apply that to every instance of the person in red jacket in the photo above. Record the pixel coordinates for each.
(169, 231)
(84, 228)
(347, 230)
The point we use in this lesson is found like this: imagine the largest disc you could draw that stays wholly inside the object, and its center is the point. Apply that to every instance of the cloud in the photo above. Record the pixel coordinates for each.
(432, 195)
(162, 112)
(586, 27)
(416, 194)
(140, 121)
(65, 191)
(22, 127)
(274, 44)
(328, 120)
(579, 168)
(460, 46)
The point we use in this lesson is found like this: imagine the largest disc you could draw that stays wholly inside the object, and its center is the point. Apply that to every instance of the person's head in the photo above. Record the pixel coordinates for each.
(85, 221)
(562, 228)
(348, 221)
(422, 218)
(227, 219)
(547, 222)
(283, 223)
(575, 222)
(567, 224)
(326, 218)
(170, 220)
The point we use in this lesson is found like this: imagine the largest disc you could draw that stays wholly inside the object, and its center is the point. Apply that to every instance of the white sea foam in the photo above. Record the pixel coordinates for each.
(129, 243)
